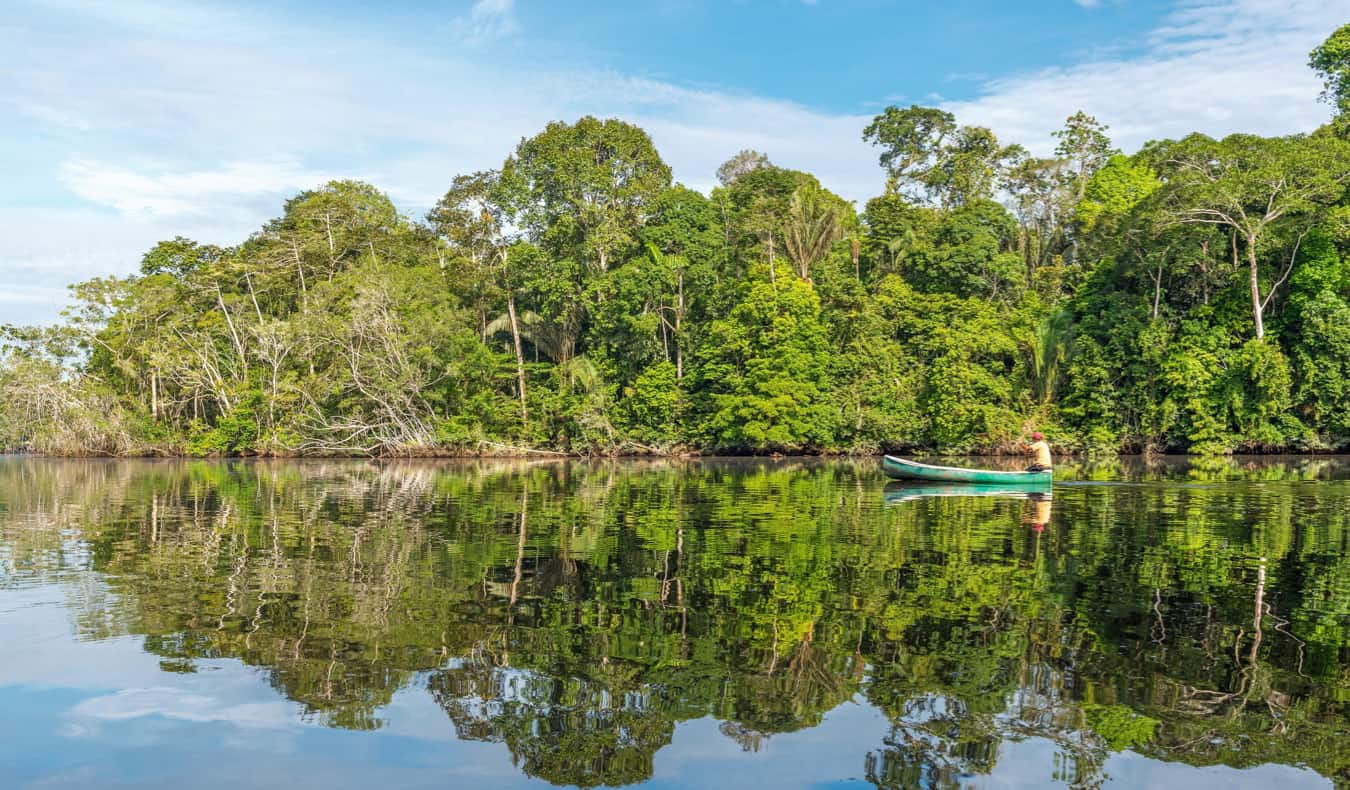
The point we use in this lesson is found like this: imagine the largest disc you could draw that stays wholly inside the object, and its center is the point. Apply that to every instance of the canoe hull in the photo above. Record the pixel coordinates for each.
(901, 469)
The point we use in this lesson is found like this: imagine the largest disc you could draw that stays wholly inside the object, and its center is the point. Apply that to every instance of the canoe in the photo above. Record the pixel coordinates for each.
(900, 469)
(908, 490)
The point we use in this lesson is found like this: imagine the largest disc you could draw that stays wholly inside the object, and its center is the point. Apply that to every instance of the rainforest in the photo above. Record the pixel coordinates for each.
(1190, 296)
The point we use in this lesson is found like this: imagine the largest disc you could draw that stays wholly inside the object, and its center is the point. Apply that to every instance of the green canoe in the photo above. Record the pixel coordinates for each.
(900, 469)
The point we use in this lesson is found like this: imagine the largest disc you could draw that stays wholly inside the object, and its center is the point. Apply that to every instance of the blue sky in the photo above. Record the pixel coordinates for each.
(123, 123)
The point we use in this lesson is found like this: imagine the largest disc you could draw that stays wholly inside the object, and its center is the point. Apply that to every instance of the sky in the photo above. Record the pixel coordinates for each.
(123, 123)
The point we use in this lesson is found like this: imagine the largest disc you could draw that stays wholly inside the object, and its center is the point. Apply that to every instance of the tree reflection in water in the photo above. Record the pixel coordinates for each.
(577, 612)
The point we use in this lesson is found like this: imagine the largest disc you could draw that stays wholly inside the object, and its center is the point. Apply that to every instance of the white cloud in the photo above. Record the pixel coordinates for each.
(1215, 66)
(489, 20)
(1089, 3)
(199, 192)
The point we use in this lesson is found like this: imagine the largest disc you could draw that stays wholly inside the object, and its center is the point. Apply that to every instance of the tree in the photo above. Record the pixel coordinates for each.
(1037, 187)
(1112, 192)
(472, 218)
(1331, 61)
(912, 142)
(684, 241)
(763, 381)
(755, 209)
(816, 220)
(332, 228)
(743, 162)
(583, 189)
(895, 230)
(179, 257)
(971, 253)
(1084, 144)
(971, 167)
(928, 157)
(1267, 192)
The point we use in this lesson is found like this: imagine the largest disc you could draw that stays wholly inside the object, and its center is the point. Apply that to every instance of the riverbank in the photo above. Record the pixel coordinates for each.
(1001, 458)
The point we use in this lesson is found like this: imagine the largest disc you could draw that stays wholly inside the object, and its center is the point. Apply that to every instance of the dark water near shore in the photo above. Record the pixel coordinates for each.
(325, 624)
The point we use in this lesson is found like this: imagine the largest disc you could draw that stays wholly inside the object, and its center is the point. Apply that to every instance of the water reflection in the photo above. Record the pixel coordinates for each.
(577, 613)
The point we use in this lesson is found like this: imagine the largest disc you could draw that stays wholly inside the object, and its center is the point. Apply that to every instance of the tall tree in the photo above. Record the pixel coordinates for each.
(929, 158)
(1083, 142)
(743, 162)
(815, 222)
(472, 218)
(764, 380)
(584, 189)
(1267, 192)
(1331, 61)
(1040, 201)
(683, 238)
(911, 141)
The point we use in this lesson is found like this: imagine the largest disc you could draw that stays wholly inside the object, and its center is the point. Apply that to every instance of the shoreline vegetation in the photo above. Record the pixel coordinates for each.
(1003, 459)
(1190, 297)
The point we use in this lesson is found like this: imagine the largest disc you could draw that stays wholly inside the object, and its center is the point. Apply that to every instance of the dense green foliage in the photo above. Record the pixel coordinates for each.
(1191, 296)
(578, 611)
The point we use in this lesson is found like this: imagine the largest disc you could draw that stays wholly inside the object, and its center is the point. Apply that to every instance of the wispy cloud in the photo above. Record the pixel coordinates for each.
(1215, 66)
(489, 20)
(175, 193)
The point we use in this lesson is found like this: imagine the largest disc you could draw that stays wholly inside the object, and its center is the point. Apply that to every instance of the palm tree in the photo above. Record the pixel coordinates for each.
(813, 226)
(1051, 350)
(555, 340)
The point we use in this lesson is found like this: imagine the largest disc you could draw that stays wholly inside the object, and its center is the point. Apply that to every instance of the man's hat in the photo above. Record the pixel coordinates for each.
(1038, 436)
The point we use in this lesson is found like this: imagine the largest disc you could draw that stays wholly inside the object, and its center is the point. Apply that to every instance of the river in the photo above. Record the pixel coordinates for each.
(710, 623)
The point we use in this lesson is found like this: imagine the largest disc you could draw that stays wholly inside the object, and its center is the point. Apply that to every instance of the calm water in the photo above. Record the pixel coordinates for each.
(711, 624)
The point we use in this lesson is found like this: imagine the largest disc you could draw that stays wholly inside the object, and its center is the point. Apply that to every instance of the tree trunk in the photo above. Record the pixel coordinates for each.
(1256, 288)
(300, 268)
(520, 356)
(1157, 292)
(1204, 271)
(234, 333)
(679, 344)
(253, 297)
(332, 248)
(663, 322)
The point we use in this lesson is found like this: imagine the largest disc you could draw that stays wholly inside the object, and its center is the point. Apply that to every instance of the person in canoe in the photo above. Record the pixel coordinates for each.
(1039, 450)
